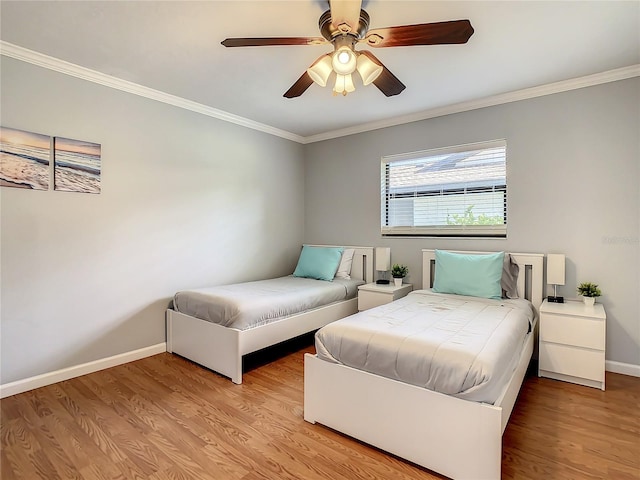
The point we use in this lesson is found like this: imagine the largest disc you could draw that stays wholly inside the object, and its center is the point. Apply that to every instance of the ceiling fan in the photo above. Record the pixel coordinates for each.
(344, 25)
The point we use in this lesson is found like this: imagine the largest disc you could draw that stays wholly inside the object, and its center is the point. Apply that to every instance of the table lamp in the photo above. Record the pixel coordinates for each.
(383, 264)
(555, 275)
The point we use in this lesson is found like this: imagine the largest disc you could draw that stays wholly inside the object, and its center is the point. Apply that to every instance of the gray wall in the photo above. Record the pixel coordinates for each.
(187, 201)
(572, 171)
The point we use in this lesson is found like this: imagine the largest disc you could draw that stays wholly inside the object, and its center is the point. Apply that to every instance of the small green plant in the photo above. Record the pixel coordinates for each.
(399, 271)
(588, 289)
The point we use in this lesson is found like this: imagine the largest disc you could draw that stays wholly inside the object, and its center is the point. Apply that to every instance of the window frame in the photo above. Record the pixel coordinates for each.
(464, 231)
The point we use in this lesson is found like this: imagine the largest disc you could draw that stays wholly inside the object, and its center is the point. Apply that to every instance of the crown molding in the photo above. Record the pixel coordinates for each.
(19, 53)
(67, 68)
(515, 96)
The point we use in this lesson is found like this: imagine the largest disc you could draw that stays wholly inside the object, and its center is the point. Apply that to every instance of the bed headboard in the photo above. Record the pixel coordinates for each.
(362, 266)
(530, 278)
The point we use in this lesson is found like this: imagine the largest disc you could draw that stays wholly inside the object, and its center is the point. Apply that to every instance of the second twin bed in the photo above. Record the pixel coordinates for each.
(432, 377)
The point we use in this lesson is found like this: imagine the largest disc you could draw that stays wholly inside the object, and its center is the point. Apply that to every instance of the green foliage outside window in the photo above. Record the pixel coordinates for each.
(469, 218)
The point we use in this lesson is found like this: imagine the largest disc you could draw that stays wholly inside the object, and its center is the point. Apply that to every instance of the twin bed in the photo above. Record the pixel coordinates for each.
(216, 327)
(431, 378)
(457, 433)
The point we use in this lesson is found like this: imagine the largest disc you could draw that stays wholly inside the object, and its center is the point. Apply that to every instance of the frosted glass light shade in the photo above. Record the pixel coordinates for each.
(555, 268)
(344, 84)
(344, 61)
(368, 69)
(383, 259)
(320, 71)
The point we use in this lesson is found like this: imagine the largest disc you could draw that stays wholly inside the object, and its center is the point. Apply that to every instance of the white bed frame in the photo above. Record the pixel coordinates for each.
(457, 438)
(221, 348)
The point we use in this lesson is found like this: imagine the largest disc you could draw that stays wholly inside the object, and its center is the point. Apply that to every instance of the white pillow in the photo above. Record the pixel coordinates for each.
(344, 269)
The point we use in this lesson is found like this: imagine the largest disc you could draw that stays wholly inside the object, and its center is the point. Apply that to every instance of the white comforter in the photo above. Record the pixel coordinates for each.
(251, 304)
(462, 346)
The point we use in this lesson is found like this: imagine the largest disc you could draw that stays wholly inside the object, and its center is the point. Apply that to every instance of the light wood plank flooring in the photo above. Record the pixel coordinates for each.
(164, 418)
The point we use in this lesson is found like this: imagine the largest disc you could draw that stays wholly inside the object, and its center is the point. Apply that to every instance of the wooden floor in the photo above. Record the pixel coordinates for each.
(164, 417)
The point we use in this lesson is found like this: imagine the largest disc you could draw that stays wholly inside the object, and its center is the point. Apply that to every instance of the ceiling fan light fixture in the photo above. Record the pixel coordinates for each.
(368, 69)
(344, 61)
(344, 84)
(320, 71)
(344, 57)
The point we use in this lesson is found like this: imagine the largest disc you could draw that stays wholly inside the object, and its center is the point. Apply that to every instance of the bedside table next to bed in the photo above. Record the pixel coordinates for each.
(373, 295)
(572, 343)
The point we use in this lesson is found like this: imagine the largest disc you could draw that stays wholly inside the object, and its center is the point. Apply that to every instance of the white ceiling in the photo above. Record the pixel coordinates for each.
(174, 47)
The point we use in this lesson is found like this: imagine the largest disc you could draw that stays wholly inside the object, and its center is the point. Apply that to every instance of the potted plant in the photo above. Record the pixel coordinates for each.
(589, 292)
(398, 272)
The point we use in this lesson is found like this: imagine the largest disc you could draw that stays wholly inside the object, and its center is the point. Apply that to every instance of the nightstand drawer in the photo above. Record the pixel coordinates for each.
(570, 330)
(572, 361)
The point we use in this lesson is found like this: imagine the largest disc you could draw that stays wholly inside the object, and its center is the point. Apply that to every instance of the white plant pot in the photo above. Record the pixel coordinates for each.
(397, 282)
(589, 301)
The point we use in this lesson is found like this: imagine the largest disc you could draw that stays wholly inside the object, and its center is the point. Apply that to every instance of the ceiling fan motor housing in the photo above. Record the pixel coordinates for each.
(330, 32)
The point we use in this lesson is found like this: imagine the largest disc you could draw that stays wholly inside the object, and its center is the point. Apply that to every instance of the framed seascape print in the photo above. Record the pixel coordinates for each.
(77, 165)
(24, 159)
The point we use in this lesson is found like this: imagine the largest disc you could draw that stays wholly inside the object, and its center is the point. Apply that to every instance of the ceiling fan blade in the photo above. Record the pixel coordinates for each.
(439, 33)
(304, 81)
(299, 87)
(386, 82)
(261, 42)
(345, 12)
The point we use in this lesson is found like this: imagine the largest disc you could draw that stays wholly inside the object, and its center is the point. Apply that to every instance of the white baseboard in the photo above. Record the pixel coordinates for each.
(45, 379)
(50, 378)
(623, 368)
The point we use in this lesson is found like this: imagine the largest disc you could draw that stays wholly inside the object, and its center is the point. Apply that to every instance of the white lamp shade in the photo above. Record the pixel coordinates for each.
(555, 268)
(383, 259)
(344, 84)
(320, 71)
(368, 69)
(344, 61)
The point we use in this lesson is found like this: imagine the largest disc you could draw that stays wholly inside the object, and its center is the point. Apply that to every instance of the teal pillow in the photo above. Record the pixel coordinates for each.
(467, 274)
(320, 263)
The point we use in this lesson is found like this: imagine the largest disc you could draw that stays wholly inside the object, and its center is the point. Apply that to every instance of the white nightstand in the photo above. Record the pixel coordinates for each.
(572, 343)
(373, 295)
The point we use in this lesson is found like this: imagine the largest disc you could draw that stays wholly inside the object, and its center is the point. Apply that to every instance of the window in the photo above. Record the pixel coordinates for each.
(453, 192)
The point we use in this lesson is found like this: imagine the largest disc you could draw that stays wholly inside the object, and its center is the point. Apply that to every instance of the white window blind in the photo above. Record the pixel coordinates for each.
(456, 191)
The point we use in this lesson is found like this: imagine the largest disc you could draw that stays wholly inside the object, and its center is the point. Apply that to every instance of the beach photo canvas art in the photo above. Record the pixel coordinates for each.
(77, 165)
(24, 159)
